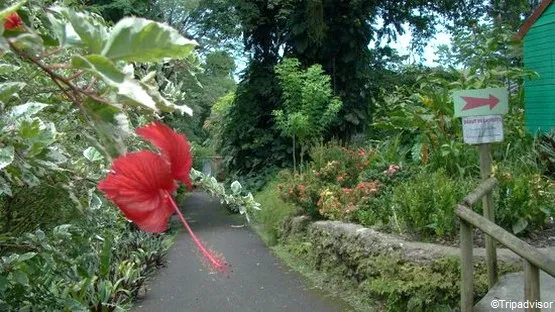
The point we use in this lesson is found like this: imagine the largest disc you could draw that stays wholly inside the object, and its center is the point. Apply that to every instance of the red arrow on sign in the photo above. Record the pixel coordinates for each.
(474, 102)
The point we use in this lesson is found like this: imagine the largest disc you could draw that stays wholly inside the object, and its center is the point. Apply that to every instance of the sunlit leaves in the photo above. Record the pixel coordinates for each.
(6, 69)
(64, 32)
(129, 91)
(25, 110)
(140, 40)
(5, 187)
(8, 89)
(7, 155)
(92, 154)
(91, 30)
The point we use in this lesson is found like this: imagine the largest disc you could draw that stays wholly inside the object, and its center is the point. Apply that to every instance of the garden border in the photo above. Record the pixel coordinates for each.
(375, 242)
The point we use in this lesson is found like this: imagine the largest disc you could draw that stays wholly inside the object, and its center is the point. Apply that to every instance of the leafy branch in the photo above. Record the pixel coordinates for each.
(59, 80)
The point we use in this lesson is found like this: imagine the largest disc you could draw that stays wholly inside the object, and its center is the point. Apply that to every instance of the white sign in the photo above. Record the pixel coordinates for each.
(482, 129)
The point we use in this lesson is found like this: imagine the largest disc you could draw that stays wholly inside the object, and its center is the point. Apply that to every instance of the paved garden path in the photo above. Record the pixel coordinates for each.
(259, 281)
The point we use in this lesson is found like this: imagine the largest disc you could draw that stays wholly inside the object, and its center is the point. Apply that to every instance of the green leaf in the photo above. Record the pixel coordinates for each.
(106, 257)
(92, 154)
(7, 89)
(105, 112)
(101, 66)
(94, 202)
(3, 284)
(520, 226)
(64, 32)
(26, 110)
(236, 187)
(6, 156)
(26, 256)
(75, 306)
(89, 29)
(30, 43)
(5, 12)
(140, 40)
(29, 129)
(56, 156)
(29, 178)
(129, 90)
(5, 187)
(20, 277)
(8, 69)
(62, 231)
(164, 104)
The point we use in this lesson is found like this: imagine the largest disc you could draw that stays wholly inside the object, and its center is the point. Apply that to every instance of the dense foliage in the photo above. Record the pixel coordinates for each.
(335, 35)
(72, 89)
(75, 81)
(416, 176)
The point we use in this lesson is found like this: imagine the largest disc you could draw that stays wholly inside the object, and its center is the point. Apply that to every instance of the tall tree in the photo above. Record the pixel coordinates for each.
(114, 10)
(511, 12)
(213, 23)
(333, 33)
(213, 80)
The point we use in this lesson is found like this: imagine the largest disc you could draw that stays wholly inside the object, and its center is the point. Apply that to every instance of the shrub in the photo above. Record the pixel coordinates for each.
(335, 164)
(303, 191)
(425, 204)
(99, 264)
(377, 209)
(341, 203)
(546, 152)
(388, 174)
(524, 201)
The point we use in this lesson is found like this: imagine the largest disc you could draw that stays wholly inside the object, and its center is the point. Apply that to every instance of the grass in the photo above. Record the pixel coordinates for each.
(269, 219)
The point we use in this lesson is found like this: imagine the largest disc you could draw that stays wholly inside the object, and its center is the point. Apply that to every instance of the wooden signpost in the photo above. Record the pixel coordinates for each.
(482, 113)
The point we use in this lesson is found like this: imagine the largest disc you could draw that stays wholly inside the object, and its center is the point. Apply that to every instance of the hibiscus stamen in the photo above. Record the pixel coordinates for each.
(215, 263)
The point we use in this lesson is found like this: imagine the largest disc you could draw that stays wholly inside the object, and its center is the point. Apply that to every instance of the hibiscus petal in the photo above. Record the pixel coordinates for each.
(139, 186)
(174, 148)
(154, 221)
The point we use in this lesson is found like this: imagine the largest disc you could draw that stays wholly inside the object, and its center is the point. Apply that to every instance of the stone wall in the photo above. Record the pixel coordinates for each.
(372, 242)
(397, 274)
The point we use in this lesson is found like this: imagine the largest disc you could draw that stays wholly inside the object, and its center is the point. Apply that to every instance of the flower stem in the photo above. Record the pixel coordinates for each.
(206, 253)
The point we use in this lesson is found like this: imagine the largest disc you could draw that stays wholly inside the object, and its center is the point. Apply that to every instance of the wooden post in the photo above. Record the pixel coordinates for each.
(467, 292)
(489, 213)
(531, 284)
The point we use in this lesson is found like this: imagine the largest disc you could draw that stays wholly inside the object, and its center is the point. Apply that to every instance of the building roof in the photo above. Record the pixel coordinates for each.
(533, 18)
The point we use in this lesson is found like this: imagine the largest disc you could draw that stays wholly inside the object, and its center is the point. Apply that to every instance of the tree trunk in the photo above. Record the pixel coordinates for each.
(302, 157)
(294, 158)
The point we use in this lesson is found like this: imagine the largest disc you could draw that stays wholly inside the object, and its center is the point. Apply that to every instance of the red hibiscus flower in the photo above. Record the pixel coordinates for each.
(141, 184)
(174, 147)
(12, 21)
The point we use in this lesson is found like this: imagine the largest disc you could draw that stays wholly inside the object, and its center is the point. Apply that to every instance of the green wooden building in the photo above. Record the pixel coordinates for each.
(538, 35)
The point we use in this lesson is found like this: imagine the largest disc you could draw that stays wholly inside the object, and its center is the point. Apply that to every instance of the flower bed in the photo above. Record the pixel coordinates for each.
(357, 185)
